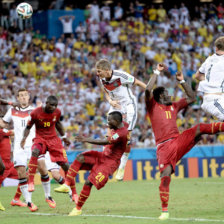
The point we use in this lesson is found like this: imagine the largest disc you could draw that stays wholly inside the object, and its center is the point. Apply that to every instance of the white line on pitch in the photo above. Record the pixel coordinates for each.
(132, 217)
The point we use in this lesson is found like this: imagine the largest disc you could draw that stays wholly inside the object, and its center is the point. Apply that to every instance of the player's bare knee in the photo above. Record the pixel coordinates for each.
(42, 170)
(56, 174)
(21, 170)
(35, 153)
(80, 158)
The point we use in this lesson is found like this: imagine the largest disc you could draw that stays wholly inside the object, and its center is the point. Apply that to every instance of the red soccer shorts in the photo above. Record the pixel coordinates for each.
(9, 172)
(169, 153)
(54, 146)
(101, 167)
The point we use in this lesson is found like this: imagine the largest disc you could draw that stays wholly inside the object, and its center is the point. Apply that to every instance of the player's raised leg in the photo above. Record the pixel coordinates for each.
(82, 199)
(131, 118)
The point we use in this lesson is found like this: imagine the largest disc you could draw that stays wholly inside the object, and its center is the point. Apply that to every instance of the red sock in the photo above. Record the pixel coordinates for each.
(164, 192)
(72, 172)
(72, 186)
(83, 196)
(18, 193)
(32, 168)
(211, 128)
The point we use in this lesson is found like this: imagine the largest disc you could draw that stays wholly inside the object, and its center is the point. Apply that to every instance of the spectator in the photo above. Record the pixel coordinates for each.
(105, 11)
(94, 12)
(118, 12)
(67, 25)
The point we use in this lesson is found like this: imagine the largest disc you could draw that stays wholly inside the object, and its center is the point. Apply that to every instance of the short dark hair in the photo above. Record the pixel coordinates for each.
(21, 90)
(117, 116)
(52, 98)
(157, 92)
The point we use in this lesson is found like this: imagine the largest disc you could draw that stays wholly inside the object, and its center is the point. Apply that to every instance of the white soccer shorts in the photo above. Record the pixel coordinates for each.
(50, 165)
(130, 112)
(21, 156)
(214, 105)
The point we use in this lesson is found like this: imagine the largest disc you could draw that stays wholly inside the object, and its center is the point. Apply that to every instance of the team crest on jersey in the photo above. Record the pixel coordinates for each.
(54, 119)
(130, 79)
(115, 136)
(171, 108)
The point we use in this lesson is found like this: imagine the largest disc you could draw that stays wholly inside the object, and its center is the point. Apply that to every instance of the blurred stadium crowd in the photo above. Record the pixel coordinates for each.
(134, 41)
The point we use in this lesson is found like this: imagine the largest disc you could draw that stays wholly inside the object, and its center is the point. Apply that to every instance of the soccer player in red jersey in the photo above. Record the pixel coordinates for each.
(171, 145)
(19, 115)
(46, 120)
(102, 164)
(6, 165)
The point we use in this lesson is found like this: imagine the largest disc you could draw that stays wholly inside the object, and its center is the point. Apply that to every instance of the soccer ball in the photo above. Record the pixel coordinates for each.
(24, 10)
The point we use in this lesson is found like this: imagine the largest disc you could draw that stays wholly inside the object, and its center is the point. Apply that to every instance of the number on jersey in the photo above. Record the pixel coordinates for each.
(47, 124)
(168, 114)
(23, 123)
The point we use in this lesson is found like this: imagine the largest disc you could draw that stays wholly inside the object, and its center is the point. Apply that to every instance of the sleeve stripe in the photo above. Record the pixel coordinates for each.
(122, 75)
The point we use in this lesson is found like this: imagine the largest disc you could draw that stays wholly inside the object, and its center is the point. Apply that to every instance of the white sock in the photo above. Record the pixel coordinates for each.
(124, 160)
(25, 192)
(47, 188)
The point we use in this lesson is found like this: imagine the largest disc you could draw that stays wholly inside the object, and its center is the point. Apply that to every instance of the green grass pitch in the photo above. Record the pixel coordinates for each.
(132, 202)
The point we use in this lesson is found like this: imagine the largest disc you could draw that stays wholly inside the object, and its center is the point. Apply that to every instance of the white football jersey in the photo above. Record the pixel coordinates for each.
(20, 117)
(118, 87)
(213, 68)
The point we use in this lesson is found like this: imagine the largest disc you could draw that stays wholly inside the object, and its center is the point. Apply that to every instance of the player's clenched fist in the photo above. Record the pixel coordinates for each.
(161, 67)
(179, 76)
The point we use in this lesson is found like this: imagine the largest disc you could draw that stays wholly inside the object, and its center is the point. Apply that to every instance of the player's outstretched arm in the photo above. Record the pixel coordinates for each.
(5, 102)
(140, 83)
(61, 131)
(199, 76)
(152, 81)
(25, 135)
(92, 141)
(188, 90)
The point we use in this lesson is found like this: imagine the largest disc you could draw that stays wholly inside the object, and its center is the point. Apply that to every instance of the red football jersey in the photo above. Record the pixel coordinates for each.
(5, 146)
(118, 139)
(163, 118)
(44, 122)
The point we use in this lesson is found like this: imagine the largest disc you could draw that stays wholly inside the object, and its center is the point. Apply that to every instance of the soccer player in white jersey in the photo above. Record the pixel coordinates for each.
(19, 115)
(117, 86)
(211, 77)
